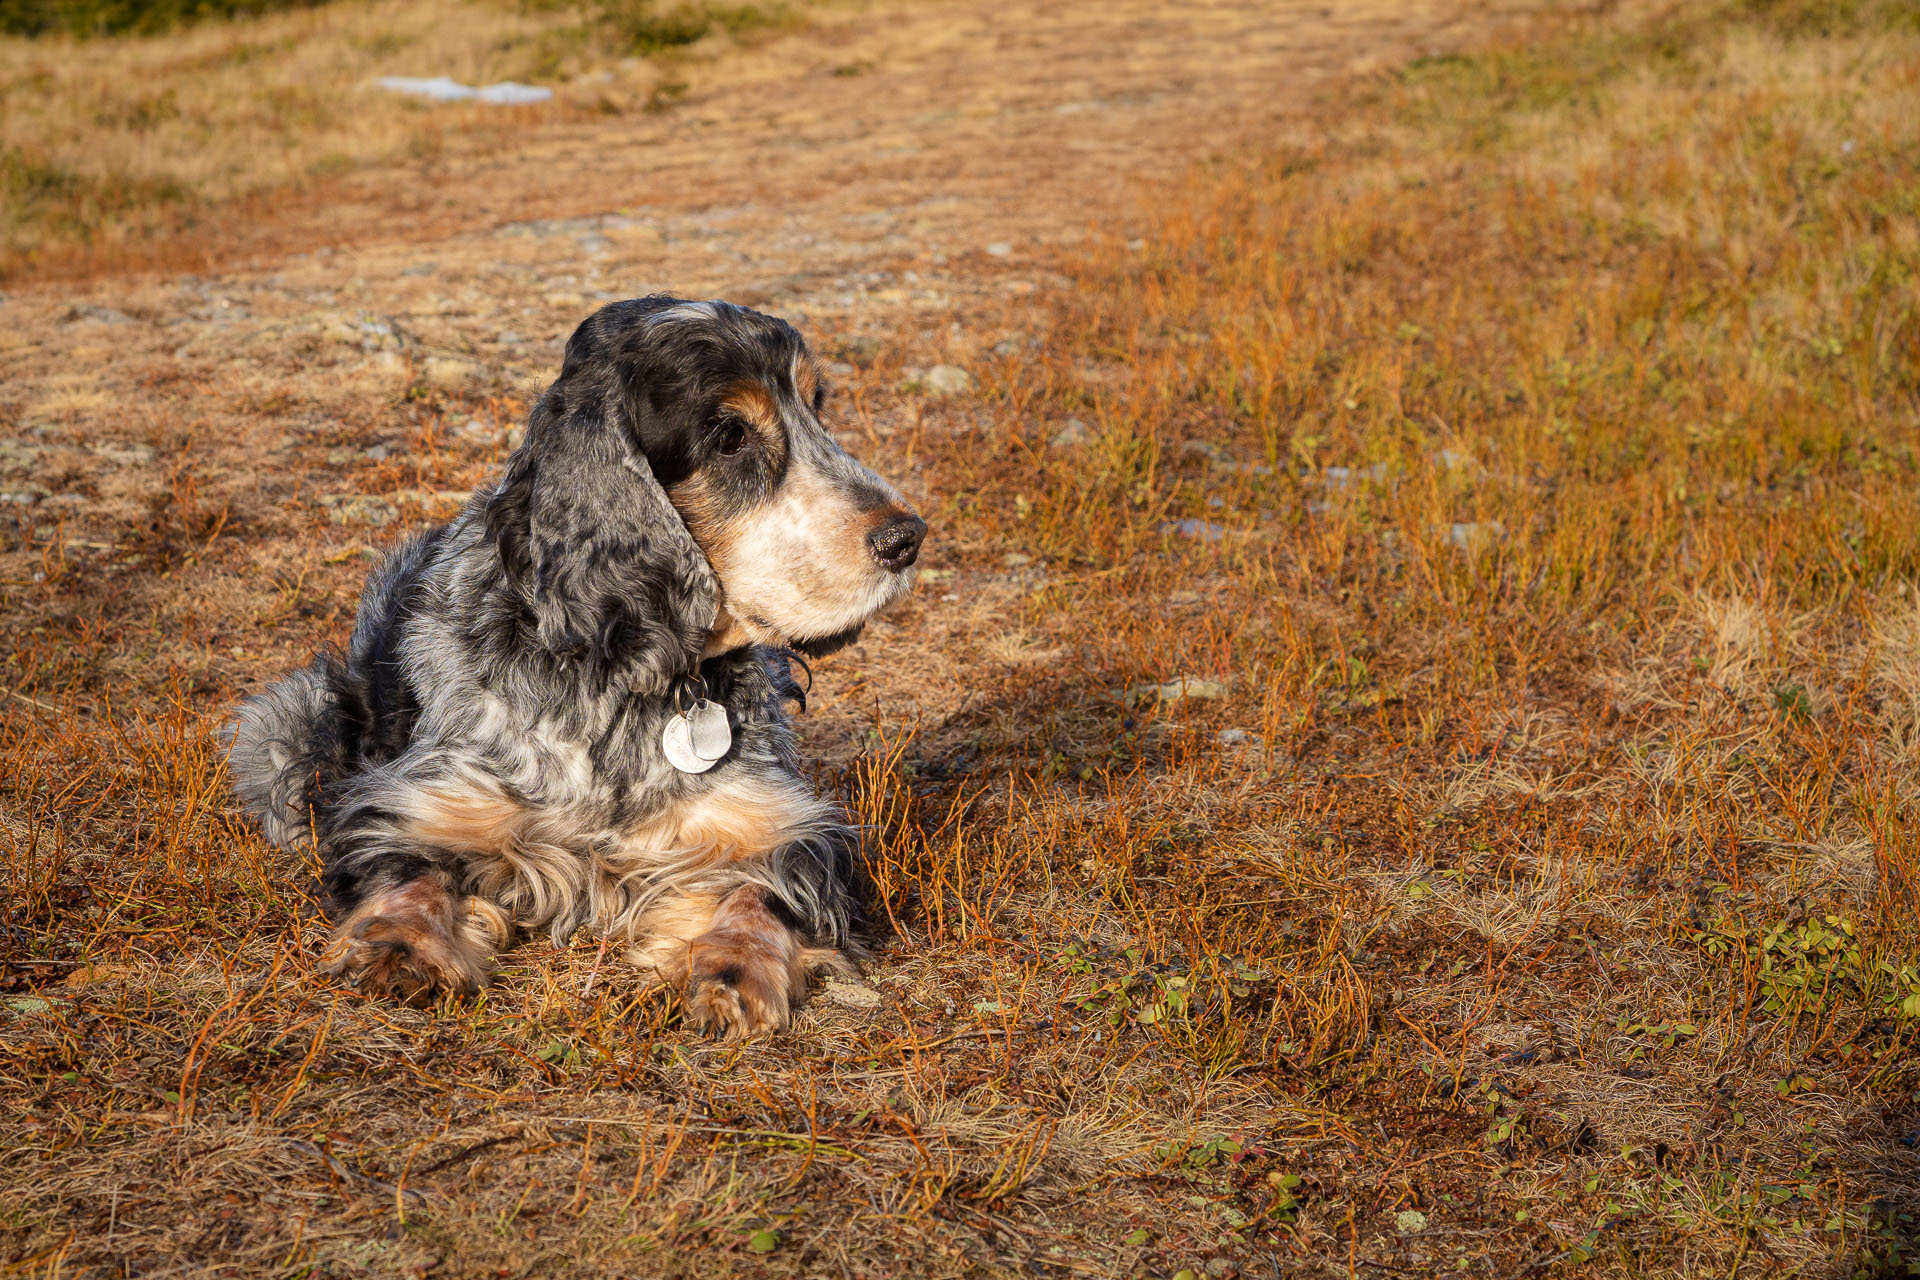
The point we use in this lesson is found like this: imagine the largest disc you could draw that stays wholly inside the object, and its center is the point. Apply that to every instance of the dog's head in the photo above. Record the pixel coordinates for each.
(677, 495)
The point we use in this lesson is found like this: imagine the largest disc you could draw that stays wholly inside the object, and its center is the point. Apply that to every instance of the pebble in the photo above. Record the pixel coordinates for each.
(1000, 249)
(1471, 535)
(1205, 530)
(124, 455)
(851, 994)
(947, 380)
(1075, 432)
(358, 508)
(1180, 688)
(93, 311)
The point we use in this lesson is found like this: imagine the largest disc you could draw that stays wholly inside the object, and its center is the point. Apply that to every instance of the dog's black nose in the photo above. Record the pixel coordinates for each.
(896, 545)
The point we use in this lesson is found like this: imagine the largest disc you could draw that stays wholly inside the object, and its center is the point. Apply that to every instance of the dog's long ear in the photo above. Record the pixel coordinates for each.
(614, 579)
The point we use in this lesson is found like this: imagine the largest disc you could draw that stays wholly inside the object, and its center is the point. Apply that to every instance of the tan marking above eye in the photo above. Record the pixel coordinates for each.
(754, 402)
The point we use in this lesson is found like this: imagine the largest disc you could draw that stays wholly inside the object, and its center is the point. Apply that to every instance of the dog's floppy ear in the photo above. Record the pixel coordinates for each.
(614, 579)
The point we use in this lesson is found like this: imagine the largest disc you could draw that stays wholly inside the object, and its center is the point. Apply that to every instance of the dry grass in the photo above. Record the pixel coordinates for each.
(1528, 888)
(109, 143)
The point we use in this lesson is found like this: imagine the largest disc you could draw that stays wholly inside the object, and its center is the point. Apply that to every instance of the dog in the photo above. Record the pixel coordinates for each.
(567, 708)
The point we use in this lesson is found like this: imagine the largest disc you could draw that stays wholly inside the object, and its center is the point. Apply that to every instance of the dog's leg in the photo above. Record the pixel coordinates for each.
(391, 848)
(743, 967)
(748, 970)
(416, 938)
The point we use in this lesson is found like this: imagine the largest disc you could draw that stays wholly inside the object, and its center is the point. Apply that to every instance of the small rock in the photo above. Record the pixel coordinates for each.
(1344, 477)
(1205, 530)
(947, 380)
(1180, 688)
(1000, 249)
(124, 455)
(851, 994)
(359, 508)
(1016, 560)
(1233, 737)
(431, 497)
(1472, 535)
(17, 455)
(1074, 433)
(376, 453)
(102, 315)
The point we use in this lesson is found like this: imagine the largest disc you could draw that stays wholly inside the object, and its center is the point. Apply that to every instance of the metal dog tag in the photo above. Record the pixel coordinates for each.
(696, 739)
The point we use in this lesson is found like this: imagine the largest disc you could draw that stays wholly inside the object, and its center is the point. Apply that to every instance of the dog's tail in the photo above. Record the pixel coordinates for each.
(282, 745)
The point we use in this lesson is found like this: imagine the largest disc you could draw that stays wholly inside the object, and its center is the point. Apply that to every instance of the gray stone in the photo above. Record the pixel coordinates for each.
(1472, 535)
(1075, 432)
(124, 455)
(359, 508)
(947, 380)
(97, 313)
(1205, 530)
(1179, 689)
(851, 994)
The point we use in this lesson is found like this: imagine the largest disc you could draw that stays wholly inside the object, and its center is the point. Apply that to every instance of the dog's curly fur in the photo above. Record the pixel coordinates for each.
(487, 756)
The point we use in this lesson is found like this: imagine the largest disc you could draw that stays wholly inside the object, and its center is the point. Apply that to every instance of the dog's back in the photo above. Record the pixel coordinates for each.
(318, 726)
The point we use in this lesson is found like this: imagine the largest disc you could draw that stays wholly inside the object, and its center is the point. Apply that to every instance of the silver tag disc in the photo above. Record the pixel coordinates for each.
(708, 730)
(695, 740)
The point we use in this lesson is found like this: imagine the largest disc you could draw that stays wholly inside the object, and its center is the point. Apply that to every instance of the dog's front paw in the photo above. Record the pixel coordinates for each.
(409, 942)
(744, 973)
(734, 994)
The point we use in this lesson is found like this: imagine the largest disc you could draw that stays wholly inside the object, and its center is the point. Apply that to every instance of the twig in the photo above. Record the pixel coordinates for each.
(339, 1169)
(32, 702)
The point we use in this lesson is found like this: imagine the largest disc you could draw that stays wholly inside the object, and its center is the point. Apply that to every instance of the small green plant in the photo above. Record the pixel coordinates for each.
(1206, 1152)
(1667, 1034)
(1807, 965)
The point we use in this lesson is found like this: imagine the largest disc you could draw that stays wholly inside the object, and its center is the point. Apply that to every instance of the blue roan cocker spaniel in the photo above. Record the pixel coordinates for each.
(566, 709)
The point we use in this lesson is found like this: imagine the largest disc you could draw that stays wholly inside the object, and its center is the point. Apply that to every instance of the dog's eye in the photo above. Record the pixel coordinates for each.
(731, 437)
